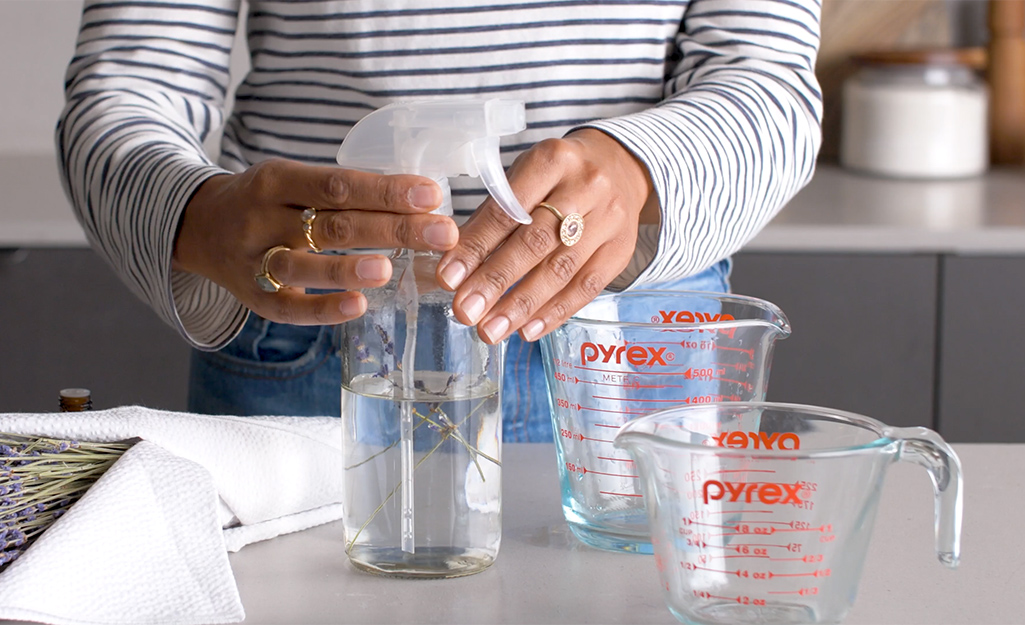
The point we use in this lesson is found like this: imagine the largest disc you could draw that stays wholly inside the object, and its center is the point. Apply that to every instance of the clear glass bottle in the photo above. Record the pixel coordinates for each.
(421, 405)
(452, 401)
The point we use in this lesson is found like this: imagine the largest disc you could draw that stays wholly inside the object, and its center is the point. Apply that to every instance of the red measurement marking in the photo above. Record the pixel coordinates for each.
(810, 558)
(609, 474)
(635, 412)
(749, 352)
(607, 425)
(808, 529)
(588, 438)
(744, 556)
(637, 399)
(704, 568)
(739, 366)
(814, 590)
(737, 599)
(725, 527)
(615, 459)
(741, 471)
(818, 573)
(606, 492)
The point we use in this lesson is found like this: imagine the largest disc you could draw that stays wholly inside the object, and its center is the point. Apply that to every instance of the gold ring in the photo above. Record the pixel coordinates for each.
(264, 279)
(308, 216)
(572, 225)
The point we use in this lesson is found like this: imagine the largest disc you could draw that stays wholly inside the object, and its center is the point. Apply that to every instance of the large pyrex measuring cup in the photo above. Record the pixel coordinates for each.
(762, 512)
(628, 354)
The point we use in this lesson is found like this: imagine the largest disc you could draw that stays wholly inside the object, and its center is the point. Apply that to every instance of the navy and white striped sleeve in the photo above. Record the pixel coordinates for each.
(737, 134)
(146, 85)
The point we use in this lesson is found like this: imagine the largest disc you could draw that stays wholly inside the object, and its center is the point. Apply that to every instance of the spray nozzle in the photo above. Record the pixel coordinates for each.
(439, 139)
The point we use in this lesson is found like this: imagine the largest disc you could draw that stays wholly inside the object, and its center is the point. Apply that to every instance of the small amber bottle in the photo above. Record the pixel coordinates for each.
(75, 400)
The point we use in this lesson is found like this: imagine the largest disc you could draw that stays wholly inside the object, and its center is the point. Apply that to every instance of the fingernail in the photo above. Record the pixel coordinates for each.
(473, 306)
(373, 269)
(440, 234)
(352, 306)
(532, 329)
(496, 328)
(424, 196)
(453, 274)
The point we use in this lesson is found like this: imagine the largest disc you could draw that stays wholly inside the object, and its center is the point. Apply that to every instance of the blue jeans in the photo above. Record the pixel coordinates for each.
(276, 369)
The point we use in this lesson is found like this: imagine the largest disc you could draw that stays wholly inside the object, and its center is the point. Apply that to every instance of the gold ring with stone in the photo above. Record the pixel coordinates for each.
(572, 225)
(308, 216)
(264, 279)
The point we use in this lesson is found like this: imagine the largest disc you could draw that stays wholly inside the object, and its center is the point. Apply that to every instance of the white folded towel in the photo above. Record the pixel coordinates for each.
(148, 542)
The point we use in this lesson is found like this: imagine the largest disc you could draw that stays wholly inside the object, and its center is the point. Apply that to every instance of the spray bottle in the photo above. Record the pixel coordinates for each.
(421, 391)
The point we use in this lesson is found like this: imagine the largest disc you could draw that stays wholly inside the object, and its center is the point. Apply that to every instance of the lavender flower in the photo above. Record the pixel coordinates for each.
(362, 353)
(389, 345)
(40, 479)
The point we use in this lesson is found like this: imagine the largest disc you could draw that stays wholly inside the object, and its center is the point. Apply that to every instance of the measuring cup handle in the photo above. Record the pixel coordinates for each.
(924, 447)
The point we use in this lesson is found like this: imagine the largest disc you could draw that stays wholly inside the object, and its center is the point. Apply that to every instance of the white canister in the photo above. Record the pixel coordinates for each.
(915, 115)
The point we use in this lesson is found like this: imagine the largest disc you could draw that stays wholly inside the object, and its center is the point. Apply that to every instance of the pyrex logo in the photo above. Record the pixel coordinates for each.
(764, 492)
(687, 316)
(756, 440)
(636, 355)
(690, 316)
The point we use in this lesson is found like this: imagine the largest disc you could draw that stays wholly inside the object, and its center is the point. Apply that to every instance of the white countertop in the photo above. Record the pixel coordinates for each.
(544, 575)
(837, 212)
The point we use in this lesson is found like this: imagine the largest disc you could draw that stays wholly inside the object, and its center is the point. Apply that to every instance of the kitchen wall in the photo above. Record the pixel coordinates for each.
(37, 39)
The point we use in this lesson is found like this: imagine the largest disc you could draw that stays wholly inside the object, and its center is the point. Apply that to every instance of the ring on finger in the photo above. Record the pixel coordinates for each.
(308, 216)
(571, 226)
(264, 279)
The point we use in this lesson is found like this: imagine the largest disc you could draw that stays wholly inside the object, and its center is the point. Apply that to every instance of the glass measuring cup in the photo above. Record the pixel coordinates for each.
(628, 354)
(762, 512)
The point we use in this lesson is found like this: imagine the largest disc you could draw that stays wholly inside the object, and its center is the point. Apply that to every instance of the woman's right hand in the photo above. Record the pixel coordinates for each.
(234, 219)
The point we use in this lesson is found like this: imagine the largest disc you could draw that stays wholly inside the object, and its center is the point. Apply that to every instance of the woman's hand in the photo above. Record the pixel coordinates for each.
(233, 220)
(513, 277)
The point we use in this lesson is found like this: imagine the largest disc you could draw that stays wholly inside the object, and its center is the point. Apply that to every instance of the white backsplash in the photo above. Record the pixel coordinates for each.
(37, 39)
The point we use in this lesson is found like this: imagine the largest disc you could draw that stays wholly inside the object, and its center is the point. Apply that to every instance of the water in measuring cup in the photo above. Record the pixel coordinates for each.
(457, 494)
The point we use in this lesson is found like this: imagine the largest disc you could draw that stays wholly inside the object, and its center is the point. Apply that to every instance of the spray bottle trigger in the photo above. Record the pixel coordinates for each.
(489, 164)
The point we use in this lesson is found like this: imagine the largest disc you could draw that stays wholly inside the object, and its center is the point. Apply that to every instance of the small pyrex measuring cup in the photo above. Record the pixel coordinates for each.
(762, 512)
(628, 354)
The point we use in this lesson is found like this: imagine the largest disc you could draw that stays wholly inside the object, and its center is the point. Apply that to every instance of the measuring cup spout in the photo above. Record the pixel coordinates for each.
(924, 447)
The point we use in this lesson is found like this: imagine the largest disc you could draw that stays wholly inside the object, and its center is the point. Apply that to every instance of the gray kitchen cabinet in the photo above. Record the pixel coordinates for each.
(66, 321)
(982, 349)
(864, 330)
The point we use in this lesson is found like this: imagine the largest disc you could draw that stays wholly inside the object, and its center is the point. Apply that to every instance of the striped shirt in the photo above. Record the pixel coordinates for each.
(718, 98)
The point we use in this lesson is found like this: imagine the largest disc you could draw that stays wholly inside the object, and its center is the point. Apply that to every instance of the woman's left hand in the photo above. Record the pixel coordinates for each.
(509, 276)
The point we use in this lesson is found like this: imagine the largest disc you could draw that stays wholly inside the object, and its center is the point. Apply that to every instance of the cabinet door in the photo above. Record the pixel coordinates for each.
(864, 329)
(982, 349)
(66, 321)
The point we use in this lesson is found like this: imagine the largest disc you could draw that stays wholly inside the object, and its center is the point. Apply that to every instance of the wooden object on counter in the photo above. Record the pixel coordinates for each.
(1006, 76)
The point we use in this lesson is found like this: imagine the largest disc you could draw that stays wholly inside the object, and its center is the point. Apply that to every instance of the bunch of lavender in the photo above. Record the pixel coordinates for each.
(40, 478)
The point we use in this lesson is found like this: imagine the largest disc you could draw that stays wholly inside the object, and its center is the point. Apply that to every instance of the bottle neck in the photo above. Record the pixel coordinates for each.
(446, 203)
(444, 209)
